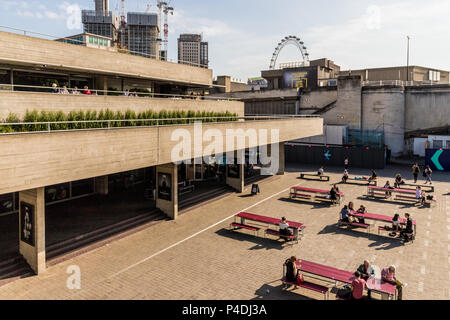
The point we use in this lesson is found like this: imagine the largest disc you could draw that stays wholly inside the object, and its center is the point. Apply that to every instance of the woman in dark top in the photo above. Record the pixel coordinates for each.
(293, 275)
(362, 210)
(374, 176)
(398, 181)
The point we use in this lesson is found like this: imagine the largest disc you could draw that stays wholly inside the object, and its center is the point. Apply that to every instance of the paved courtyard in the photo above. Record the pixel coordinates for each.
(195, 257)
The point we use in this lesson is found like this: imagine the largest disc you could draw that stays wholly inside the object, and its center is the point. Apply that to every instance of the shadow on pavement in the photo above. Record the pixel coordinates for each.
(260, 242)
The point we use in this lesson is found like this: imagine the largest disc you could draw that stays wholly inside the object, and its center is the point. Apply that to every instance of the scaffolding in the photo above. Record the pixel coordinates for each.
(141, 36)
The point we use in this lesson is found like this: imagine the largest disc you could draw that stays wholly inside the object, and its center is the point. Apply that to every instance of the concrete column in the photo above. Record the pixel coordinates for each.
(32, 228)
(101, 185)
(236, 183)
(281, 159)
(167, 189)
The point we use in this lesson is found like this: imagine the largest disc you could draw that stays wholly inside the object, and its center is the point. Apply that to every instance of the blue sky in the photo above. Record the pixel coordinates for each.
(243, 34)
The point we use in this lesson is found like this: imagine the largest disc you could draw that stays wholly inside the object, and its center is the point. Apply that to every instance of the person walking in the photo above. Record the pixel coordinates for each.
(427, 174)
(346, 163)
(416, 171)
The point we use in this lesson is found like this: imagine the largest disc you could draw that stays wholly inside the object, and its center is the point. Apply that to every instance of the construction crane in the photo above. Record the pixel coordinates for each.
(165, 9)
(123, 24)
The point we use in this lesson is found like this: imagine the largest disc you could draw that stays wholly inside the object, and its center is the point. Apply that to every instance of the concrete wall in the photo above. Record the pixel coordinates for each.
(24, 50)
(19, 102)
(41, 159)
(427, 107)
(348, 105)
(383, 108)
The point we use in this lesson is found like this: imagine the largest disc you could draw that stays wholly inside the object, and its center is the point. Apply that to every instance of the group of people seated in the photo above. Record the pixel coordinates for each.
(364, 273)
(64, 90)
(347, 209)
(405, 232)
(373, 176)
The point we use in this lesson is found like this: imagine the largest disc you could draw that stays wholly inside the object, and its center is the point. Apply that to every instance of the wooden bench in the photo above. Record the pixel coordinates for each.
(368, 181)
(355, 224)
(422, 186)
(309, 286)
(411, 198)
(321, 177)
(412, 237)
(278, 234)
(237, 226)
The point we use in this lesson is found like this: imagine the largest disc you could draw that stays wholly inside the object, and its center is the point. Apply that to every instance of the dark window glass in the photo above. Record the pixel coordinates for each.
(82, 187)
(57, 192)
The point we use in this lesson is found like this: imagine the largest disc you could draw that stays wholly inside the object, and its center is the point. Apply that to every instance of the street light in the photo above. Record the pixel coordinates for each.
(407, 61)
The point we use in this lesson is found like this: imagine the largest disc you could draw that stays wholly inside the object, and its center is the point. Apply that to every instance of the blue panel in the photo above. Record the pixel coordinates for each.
(438, 159)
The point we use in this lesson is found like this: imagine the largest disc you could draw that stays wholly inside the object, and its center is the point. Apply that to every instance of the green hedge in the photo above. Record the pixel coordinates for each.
(151, 116)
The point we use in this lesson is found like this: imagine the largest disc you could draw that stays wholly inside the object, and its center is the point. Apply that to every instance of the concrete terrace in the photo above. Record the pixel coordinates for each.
(195, 257)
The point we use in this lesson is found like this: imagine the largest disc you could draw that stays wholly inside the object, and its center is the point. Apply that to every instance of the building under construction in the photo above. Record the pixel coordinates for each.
(101, 21)
(139, 33)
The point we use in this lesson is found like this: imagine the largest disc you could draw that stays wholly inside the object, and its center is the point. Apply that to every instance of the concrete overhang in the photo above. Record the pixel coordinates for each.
(33, 160)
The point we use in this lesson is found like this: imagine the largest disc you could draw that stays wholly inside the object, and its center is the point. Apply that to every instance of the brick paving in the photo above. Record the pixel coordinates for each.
(181, 260)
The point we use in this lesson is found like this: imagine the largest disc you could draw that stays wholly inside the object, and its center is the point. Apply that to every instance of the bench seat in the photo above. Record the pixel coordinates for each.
(360, 225)
(277, 233)
(309, 286)
(243, 226)
(300, 195)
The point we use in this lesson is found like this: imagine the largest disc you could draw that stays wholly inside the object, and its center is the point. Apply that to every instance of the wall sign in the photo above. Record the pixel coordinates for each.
(27, 227)
(438, 159)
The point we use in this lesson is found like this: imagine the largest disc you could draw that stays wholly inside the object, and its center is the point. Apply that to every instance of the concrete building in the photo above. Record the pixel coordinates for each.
(416, 74)
(56, 169)
(192, 50)
(89, 40)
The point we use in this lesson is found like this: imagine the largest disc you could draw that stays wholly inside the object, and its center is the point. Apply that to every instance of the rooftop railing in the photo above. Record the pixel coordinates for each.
(72, 41)
(7, 87)
(15, 128)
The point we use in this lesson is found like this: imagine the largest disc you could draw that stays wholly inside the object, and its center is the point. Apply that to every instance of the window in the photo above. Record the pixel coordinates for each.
(96, 40)
(90, 39)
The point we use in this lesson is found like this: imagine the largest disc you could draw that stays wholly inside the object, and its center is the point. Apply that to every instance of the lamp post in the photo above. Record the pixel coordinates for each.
(407, 61)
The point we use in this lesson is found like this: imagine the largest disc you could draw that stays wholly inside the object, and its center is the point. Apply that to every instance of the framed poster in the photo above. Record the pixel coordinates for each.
(165, 186)
(27, 227)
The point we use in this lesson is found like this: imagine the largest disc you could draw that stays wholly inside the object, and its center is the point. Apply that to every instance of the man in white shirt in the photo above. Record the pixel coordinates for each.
(284, 227)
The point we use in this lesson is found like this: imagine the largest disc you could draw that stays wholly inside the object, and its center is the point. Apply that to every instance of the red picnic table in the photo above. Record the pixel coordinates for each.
(387, 192)
(379, 217)
(344, 276)
(296, 226)
(299, 192)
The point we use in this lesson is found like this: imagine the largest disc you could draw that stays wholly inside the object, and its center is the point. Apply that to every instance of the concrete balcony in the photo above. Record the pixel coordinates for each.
(32, 160)
(19, 101)
(18, 50)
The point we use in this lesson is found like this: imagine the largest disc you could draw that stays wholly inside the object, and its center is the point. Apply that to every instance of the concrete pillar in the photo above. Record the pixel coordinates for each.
(101, 185)
(32, 228)
(235, 173)
(167, 189)
(281, 159)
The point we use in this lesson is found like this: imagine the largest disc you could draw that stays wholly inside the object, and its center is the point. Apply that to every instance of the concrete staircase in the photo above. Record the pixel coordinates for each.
(55, 252)
(199, 198)
(13, 267)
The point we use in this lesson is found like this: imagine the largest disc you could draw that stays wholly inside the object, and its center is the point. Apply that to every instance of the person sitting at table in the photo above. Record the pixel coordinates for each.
(284, 227)
(366, 270)
(293, 274)
(320, 172)
(351, 206)
(333, 194)
(344, 215)
(398, 181)
(388, 275)
(395, 225)
(373, 177)
(408, 231)
(420, 195)
(345, 176)
(387, 185)
(358, 286)
(361, 210)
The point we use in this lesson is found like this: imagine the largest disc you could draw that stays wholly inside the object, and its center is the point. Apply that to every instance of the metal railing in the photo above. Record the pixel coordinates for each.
(7, 87)
(119, 50)
(399, 83)
(89, 125)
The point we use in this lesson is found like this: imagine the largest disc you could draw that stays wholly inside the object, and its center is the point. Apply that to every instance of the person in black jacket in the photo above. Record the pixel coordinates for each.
(407, 232)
